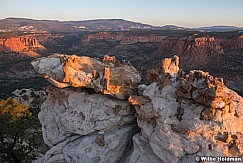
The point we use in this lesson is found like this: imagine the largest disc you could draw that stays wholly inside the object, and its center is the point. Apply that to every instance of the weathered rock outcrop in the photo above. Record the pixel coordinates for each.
(195, 115)
(106, 77)
(81, 123)
(25, 45)
(181, 116)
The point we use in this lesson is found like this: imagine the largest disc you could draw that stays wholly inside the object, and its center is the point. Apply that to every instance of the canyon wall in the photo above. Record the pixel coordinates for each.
(122, 38)
(177, 44)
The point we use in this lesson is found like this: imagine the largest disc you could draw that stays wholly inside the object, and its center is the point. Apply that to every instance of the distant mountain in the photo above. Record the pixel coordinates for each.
(42, 26)
(22, 24)
(109, 24)
(218, 28)
(173, 27)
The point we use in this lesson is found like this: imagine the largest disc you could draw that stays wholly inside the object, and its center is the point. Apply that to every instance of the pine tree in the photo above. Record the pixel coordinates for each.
(20, 133)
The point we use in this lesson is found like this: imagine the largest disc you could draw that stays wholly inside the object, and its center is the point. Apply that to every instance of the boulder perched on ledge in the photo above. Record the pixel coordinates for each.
(73, 71)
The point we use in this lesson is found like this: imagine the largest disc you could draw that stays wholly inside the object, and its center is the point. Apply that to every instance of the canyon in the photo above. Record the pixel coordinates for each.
(117, 94)
(217, 53)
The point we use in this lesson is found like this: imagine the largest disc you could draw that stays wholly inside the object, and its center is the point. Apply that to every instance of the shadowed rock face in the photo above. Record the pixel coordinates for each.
(24, 45)
(67, 112)
(180, 115)
(105, 77)
(109, 147)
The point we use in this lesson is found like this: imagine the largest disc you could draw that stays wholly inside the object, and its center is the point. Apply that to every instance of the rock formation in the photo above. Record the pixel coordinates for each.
(196, 115)
(181, 116)
(24, 45)
(79, 124)
(64, 71)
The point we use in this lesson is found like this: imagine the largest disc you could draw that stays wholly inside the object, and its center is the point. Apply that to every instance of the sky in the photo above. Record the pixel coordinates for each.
(185, 13)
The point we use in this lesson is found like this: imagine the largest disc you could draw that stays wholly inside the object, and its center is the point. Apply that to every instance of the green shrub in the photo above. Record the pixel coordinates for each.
(20, 135)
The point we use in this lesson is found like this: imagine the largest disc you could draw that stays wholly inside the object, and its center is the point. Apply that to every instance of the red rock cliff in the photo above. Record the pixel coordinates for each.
(24, 45)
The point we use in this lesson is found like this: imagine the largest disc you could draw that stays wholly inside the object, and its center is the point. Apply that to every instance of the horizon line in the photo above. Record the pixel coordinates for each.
(135, 21)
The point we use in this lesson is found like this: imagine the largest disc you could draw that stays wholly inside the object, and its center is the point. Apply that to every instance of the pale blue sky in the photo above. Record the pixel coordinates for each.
(187, 13)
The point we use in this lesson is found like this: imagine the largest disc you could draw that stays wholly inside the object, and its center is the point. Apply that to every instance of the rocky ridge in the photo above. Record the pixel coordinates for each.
(180, 115)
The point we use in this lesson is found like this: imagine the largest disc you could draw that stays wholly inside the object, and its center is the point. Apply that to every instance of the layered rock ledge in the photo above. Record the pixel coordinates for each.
(92, 112)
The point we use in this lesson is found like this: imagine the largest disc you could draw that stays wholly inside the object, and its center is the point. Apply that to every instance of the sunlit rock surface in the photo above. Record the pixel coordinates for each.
(107, 77)
(87, 120)
(193, 115)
